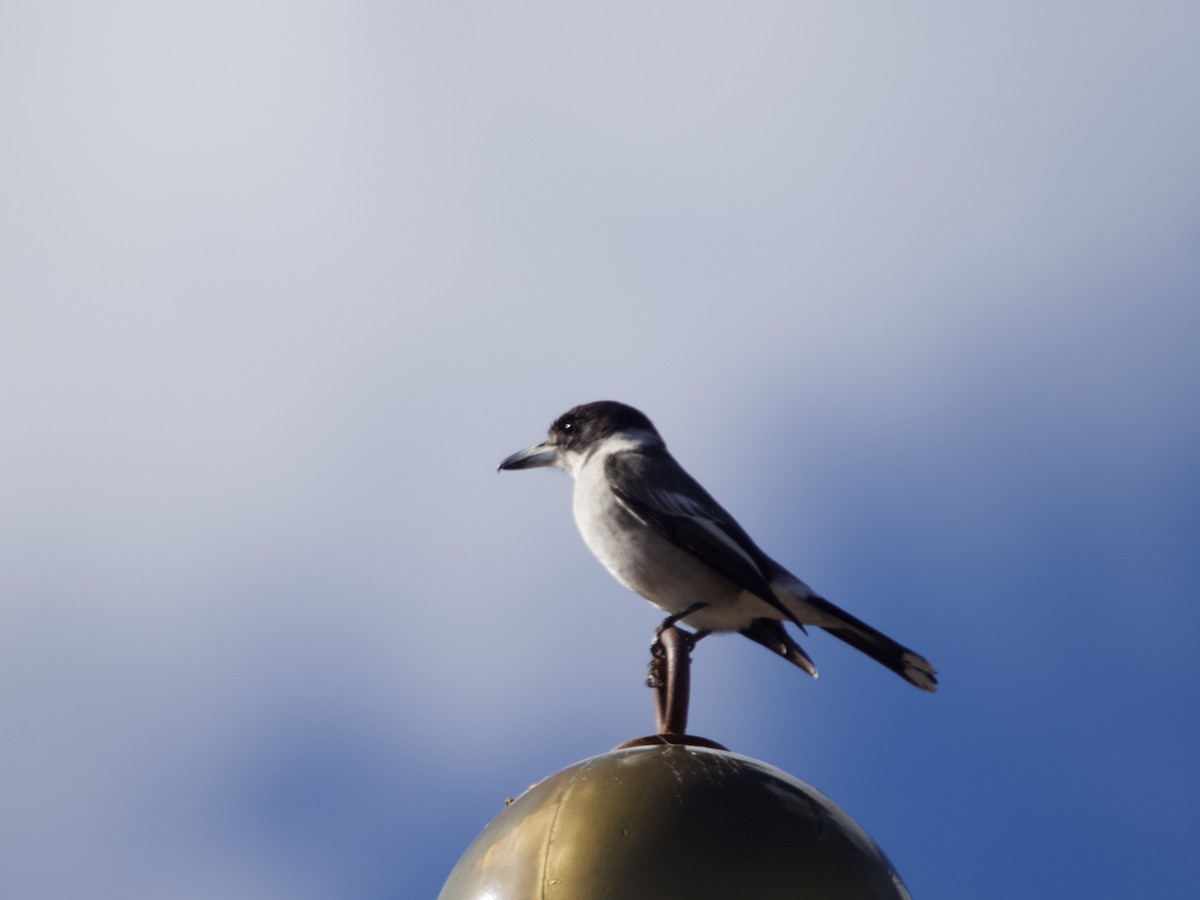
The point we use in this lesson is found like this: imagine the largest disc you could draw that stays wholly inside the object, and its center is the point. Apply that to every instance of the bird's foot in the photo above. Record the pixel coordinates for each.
(658, 651)
(655, 679)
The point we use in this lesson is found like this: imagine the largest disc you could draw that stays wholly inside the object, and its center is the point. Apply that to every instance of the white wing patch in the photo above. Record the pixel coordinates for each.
(682, 505)
(678, 504)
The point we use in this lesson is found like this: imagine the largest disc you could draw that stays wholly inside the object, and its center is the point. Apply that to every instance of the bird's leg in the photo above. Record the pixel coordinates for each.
(670, 620)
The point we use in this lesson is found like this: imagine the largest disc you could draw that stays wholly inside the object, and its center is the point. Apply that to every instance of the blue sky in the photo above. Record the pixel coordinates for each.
(914, 290)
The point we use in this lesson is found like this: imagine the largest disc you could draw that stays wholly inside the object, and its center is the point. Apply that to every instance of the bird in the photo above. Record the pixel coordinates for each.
(662, 535)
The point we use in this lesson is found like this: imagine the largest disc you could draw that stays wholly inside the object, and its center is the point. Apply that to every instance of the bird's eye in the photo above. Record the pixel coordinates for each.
(566, 428)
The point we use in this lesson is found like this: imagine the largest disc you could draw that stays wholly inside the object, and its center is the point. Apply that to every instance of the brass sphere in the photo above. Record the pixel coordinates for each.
(673, 821)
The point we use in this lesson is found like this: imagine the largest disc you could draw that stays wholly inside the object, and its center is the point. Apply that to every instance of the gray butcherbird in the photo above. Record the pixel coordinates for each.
(662, 535)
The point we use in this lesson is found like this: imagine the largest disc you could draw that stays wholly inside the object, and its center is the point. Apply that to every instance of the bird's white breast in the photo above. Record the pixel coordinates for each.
(644, 561)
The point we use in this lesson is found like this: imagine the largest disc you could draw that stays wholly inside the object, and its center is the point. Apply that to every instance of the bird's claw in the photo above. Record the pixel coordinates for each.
(658, 651)
(658, 662)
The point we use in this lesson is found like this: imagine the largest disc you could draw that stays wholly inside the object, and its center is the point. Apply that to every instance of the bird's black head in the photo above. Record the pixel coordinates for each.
(585, 425)
(577, 432)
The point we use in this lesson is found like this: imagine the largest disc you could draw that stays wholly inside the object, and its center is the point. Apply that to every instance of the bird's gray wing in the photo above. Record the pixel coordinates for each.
(660, 493)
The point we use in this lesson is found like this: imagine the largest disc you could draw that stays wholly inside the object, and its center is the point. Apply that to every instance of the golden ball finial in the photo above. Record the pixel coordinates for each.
(673, 821)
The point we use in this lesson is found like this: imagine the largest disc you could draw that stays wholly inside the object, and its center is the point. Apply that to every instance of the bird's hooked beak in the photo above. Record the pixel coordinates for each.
(543, 454)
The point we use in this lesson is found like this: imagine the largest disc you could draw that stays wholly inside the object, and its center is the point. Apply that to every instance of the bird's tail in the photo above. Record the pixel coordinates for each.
(912, 667)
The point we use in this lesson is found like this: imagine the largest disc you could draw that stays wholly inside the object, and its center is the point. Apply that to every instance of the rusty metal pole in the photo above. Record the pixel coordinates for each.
(670, 677)
(674, 681)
